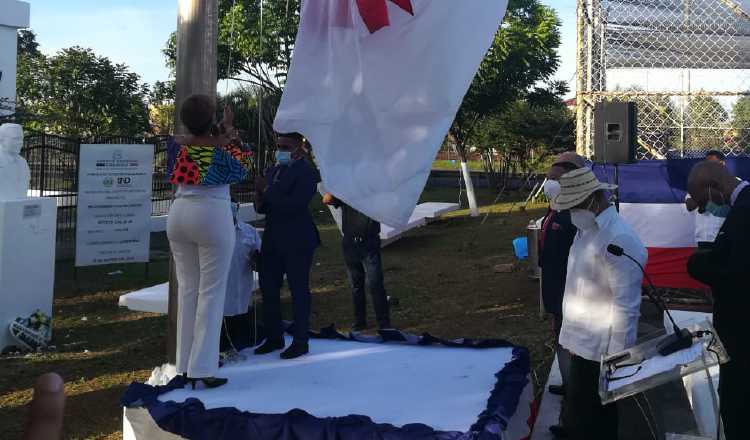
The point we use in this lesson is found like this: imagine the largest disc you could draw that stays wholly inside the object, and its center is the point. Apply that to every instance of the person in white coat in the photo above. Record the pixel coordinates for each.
(240, 286)
(241, 283)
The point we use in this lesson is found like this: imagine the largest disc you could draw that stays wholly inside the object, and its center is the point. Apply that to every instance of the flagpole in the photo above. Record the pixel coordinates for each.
(195, 73)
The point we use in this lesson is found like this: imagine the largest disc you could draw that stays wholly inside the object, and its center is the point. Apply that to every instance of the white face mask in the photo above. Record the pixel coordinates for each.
(583, 219)
(552, 189)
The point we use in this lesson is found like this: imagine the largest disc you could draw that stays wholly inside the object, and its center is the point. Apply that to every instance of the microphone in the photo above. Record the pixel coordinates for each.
(682, 338)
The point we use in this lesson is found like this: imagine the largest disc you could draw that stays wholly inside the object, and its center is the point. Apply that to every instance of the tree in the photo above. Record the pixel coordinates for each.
(27, 44)
(523, 54)
(259, 61)
(244, 53)
(79, 94)
(255, 129)
(706, 123)
(27, 50)
(523, 136)
(161, 107)
(741, 122)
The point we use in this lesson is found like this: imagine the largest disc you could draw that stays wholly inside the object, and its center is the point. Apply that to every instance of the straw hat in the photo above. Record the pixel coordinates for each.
(576, 186)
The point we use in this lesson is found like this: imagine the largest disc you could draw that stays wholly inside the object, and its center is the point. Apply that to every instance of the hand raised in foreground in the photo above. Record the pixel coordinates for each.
(47, 409)
(228, 120)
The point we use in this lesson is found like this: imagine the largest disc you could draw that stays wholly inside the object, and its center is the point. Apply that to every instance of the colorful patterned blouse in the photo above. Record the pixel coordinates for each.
(209, 165)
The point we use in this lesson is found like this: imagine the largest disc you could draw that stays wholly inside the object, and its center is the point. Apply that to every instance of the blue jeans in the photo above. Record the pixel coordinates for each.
(365, 269)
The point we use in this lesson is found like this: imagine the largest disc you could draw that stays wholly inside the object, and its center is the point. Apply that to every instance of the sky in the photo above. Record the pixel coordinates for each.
(134, 32)
(131, 32)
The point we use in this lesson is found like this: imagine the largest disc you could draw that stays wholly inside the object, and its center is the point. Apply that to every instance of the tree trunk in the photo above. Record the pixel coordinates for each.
(473, 206)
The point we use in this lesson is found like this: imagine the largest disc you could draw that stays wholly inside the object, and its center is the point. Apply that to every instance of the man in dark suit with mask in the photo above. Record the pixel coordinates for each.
(725, 268)
(289, 242)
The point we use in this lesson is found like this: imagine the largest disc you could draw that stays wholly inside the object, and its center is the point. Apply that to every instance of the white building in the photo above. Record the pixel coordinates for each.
(15, 15)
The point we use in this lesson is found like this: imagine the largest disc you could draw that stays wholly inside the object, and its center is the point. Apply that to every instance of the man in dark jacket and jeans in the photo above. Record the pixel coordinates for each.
(361, 246)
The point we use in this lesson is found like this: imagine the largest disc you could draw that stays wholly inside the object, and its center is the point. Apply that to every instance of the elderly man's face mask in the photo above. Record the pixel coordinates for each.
(720, 209)
(582, 217)
(709, 199)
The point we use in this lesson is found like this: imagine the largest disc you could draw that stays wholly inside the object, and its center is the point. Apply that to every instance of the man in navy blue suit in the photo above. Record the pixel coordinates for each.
(289, 242)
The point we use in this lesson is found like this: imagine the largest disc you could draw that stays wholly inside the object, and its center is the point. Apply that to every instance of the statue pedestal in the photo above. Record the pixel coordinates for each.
(27, 260)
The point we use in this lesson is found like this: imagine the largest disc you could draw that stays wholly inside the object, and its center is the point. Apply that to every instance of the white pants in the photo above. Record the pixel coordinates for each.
(201, 236)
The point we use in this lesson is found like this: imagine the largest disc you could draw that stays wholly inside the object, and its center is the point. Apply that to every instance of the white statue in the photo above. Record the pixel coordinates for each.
(14, 171)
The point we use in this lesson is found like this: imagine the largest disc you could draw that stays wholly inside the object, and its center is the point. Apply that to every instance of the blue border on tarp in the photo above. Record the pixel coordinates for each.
(191, 420)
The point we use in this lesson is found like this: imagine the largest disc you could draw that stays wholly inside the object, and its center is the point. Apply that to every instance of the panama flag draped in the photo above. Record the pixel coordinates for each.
(374, 86)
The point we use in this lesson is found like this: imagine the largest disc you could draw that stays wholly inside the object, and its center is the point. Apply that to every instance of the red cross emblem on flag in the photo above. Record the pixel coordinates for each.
(375, 12)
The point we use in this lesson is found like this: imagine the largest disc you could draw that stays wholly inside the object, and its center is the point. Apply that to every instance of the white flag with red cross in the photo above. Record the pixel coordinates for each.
(374, 86)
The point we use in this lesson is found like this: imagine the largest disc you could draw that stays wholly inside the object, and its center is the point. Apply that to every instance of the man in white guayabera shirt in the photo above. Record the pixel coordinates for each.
(602, 300)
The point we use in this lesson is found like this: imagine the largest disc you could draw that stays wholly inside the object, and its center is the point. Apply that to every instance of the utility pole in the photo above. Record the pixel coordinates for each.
(196, 72)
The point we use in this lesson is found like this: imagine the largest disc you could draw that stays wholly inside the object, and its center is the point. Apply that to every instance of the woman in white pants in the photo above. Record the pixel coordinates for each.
(201, 236)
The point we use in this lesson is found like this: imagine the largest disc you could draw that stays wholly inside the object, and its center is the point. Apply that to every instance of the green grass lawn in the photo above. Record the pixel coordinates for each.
(442, 274)
(474, 165)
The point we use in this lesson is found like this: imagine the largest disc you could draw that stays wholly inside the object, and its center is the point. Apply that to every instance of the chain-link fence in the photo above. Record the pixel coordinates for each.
(686, 63)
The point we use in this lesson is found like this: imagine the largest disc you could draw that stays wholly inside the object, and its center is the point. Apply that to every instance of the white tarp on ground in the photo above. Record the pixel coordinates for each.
(153, 299)
(446, 388)
(376, 107)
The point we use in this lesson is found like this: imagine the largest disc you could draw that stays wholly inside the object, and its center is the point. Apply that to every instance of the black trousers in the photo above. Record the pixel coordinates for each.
(296, 266)
(365, 269)
(237, 332)
(563, 355)
(734, 393)
(584, 417)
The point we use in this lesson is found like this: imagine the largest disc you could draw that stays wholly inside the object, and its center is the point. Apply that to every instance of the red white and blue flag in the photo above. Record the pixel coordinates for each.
(652, 201)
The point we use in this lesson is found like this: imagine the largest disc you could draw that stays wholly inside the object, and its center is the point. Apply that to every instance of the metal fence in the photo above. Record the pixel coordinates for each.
(53, 161)
(686, 63)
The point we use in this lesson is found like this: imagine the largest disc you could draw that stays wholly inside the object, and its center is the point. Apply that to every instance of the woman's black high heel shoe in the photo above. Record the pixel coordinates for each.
(208, 382)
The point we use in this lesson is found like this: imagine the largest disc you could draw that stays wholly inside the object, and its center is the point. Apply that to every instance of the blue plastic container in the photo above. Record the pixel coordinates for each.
(521, 247)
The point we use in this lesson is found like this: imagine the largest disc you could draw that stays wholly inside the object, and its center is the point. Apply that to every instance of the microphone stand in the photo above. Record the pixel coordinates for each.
(682, 338)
